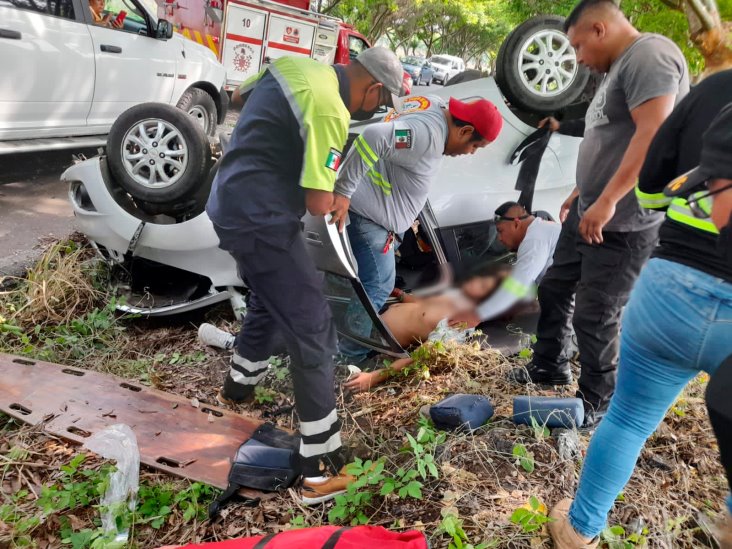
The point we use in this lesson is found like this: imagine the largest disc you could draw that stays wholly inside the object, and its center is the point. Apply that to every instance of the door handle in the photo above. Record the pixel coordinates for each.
(110, 49)
(10, 34)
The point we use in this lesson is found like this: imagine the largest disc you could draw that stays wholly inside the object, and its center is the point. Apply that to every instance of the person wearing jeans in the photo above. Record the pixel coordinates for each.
(385, 180)
(678, 321)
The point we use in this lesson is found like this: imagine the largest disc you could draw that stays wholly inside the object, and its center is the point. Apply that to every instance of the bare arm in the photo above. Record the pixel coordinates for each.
(364, 381)
(648, 117)
(319, 202)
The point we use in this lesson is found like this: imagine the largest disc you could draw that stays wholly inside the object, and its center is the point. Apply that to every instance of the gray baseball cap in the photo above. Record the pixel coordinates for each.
(384, 66)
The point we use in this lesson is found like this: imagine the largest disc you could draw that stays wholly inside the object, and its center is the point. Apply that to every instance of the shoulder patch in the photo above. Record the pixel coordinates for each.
(333, 160)
(403, 139)
(411, 104)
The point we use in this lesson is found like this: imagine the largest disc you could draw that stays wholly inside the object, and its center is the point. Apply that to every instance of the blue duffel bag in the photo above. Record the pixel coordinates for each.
(461, 412)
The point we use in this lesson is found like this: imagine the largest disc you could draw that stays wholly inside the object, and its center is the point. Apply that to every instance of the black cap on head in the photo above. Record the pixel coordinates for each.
(716, 157)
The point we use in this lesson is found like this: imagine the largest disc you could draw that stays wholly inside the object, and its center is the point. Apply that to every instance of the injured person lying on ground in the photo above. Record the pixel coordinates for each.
(412, 321)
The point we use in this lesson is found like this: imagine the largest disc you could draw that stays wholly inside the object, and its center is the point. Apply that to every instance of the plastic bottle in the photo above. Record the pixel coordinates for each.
(549, 411)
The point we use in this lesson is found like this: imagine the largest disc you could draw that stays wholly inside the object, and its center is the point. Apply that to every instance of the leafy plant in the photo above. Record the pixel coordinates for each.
(452, 525)
(263, 395)
(530, 517)
(615, 538)
(524, 458)
(540, 431)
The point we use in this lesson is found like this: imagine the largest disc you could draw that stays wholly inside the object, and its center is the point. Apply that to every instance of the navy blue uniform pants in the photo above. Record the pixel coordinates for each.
(286, 301)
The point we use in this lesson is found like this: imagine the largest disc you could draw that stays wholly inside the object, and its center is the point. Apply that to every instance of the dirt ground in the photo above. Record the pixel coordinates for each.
(481, 479)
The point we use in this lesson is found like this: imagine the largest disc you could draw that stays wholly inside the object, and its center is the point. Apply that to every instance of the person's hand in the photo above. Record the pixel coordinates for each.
(363, 381)
(595, 219)
(340, 211)
(116, 24)
(566, 206)
(552, 123)
(468, 319)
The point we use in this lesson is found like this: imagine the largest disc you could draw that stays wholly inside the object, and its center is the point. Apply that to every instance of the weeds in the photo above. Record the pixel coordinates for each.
(452, 525)
(531, 517)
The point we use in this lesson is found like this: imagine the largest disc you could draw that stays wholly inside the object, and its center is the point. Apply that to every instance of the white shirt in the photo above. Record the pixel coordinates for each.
(533, 259)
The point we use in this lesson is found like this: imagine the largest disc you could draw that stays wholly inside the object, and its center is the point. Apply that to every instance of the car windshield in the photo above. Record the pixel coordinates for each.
(412, 60)
(441, 60)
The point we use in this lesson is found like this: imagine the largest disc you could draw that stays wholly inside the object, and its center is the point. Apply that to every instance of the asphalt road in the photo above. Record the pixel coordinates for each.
(34, 208)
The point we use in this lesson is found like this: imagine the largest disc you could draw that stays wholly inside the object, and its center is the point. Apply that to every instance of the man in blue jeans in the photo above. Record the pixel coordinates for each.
(679, 318)
(387, 176)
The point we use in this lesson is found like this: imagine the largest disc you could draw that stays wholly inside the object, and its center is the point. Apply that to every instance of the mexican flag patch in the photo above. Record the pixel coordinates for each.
(403, 139)
(333, 160)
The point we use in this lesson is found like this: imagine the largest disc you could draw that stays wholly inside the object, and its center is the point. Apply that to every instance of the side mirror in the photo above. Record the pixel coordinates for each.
(164, 30)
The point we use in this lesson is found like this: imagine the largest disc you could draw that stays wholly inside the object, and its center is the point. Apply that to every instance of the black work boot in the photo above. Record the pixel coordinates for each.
(532, 373)
(234, 393)
(592, 416)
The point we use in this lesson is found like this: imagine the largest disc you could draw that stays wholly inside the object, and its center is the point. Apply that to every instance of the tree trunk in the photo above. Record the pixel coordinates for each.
(706, 30)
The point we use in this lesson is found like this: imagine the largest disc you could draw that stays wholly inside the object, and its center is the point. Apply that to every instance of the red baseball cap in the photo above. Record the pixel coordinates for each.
(481, 114)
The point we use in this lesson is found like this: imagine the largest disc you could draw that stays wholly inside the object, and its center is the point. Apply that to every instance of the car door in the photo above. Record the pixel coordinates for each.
(346, 296)
(46, 68)
(132, 65)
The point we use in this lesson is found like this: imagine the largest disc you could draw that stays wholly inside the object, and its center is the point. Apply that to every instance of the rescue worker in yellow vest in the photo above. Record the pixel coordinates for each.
(283, 158)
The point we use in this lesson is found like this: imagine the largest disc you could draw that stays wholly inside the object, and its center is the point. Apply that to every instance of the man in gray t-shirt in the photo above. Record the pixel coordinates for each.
(606, 237)
(387, 176)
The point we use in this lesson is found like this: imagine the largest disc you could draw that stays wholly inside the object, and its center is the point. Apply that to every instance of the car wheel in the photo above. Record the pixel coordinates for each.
(537, 68)
(157, 153)
(201, 107)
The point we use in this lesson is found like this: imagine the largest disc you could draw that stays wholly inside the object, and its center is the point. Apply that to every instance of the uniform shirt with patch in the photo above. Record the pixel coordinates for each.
(288, 138)
(653, 66)
(534, 257)
(391, 165)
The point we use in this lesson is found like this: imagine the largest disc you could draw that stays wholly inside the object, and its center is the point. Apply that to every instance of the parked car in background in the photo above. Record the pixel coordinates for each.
(445, 67)
(419, 69)
(65, 79)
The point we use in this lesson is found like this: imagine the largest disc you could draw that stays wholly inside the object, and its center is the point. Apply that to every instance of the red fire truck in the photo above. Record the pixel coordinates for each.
(244, 35)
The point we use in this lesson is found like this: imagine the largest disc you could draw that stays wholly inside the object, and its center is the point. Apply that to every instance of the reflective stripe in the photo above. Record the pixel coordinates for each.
(248, 365)
(311, 428)
(378, 180)
(652, 201)
(514, 287)
(368, 153)
(330, 445)
(243, 379)
(680, 212)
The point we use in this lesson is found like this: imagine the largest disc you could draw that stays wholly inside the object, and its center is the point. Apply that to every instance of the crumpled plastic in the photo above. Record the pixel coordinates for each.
(118, 442)
(443, 332)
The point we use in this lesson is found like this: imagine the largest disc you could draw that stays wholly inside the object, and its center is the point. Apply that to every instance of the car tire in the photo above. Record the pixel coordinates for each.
(158, 154)
(524, 70)
(201, 106)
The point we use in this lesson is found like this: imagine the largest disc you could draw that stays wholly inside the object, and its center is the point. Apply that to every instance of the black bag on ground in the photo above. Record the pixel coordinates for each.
(269, 461)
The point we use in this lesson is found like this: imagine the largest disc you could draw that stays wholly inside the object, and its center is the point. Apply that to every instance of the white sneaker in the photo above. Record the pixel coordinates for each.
(210, 335)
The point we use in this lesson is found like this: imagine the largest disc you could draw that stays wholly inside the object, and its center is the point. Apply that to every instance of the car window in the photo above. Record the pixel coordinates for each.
(355, 46)
(411, 60)
(478, 246)
(440, 60)
(58, 8)
(133, 21)
(349, 311)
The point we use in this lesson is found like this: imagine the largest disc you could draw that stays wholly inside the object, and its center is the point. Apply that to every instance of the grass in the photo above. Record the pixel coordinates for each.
(486, 489)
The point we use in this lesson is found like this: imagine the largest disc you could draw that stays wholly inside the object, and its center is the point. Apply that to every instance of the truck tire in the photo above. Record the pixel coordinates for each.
(537, 69)
(201, 106)
(158, 154)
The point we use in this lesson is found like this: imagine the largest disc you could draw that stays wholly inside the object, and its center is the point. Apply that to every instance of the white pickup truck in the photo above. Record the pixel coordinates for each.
(66, 79)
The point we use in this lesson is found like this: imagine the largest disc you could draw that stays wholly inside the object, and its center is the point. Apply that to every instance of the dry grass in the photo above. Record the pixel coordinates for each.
(58, 289)
(677, 488)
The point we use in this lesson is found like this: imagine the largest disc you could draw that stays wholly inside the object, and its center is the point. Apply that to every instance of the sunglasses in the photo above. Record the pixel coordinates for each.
(701, 203)
(499, 218)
